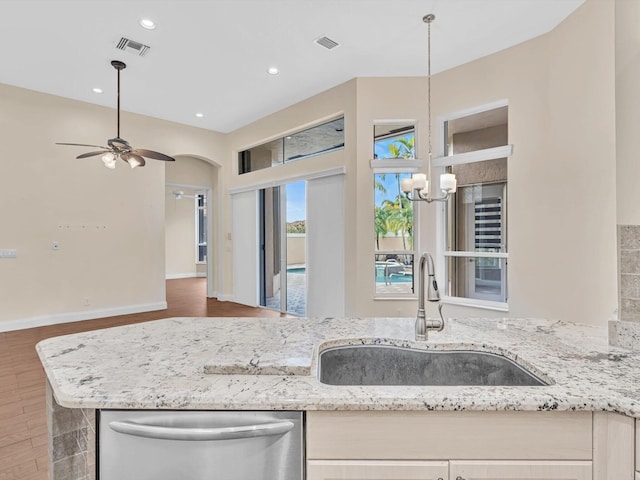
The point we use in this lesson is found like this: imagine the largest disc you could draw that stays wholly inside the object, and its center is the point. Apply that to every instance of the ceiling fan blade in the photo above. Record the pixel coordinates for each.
(91, 154)
(151, 154)
(82, 145)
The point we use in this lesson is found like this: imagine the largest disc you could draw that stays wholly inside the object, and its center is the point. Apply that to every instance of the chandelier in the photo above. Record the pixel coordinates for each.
(417, 188)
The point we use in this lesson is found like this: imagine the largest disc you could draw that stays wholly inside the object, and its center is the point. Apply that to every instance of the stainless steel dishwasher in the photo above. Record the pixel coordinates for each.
(200, 445)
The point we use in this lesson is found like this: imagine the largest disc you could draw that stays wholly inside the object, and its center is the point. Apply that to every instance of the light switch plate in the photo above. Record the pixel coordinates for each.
(8, 253)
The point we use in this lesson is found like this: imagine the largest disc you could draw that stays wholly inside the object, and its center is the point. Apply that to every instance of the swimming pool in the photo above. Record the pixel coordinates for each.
(297, 270)
(394, 278)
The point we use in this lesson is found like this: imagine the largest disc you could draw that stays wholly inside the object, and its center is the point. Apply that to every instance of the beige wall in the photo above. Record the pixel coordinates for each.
(110, 223)
(560, 91)
(628, 170)
(582, 152)
(627, 110)
(330, 104)
(561, 176)
(296, 249)
(562, 179)
(180, 235)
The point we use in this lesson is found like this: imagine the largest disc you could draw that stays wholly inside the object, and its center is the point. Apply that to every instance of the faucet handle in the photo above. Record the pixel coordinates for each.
(433, 294)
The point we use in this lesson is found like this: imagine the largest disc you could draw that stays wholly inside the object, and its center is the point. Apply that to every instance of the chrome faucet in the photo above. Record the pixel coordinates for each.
(433, 295)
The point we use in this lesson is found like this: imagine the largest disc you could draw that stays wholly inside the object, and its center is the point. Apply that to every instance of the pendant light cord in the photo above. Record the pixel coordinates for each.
(429, 82)
(428, 19)
(118, 136)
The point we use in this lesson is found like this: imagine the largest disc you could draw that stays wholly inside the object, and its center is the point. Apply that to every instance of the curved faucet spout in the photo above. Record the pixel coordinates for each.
(433, 295)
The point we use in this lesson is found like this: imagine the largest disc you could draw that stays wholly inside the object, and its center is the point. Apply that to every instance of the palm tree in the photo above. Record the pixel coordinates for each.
(399, 218)
(381, 223)
(396, 216)
(403, 147)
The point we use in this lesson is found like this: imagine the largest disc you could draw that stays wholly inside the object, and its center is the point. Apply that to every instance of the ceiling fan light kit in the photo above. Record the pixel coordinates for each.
(118, 147)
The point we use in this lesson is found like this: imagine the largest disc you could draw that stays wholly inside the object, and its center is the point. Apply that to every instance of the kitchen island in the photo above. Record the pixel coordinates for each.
(271, 364)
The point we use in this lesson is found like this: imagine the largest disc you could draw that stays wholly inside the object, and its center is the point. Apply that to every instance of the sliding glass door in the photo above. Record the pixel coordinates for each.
(282, 248)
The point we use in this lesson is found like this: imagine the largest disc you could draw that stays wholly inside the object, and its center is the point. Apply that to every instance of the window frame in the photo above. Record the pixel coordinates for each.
(440, 165)
(243, 162)
(390, 166)
(200, 211)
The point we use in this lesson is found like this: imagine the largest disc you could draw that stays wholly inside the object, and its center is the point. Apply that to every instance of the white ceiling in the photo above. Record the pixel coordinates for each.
(211, 56)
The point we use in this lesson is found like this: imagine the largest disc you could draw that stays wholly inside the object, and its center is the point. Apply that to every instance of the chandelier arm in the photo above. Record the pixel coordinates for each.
(419, 197)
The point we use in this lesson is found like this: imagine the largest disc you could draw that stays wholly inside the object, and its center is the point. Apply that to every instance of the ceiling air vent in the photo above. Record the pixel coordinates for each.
(326, 42)
(132, 46)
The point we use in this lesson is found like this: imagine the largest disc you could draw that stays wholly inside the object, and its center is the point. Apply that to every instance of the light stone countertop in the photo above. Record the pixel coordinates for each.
(270, 364)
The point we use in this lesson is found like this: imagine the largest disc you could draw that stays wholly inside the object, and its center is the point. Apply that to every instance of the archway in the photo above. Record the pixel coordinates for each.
(191, 219)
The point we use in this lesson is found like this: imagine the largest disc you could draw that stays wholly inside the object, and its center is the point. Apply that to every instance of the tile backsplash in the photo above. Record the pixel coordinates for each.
(71, 441)
(625, 332)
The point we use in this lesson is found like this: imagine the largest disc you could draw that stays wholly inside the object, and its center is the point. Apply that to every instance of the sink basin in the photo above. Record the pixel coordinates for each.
(390, 365)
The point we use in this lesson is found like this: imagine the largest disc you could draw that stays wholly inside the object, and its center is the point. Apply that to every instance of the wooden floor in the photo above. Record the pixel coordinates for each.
(23, 426)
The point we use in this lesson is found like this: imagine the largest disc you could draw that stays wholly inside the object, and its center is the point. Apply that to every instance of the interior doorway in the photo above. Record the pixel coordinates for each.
(187, 248)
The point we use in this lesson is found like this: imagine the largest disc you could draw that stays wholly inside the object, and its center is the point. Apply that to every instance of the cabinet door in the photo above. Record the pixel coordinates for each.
(519, 470)
(376, 470)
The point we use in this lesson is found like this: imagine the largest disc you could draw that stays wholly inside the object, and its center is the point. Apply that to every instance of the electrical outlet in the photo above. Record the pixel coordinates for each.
(55, 245)
(8, 253)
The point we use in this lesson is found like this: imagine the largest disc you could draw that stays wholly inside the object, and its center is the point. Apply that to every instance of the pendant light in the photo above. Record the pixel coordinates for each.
(417, 188)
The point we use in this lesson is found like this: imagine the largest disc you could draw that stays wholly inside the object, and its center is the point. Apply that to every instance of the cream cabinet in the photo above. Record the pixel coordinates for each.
(392, 435)
(454, 470)
(519, 470)
(450, 446)
(386, 445)
(376, 470)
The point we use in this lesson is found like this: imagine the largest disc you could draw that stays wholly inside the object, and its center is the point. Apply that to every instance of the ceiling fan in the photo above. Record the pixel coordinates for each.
(118, 147)
(179, 194)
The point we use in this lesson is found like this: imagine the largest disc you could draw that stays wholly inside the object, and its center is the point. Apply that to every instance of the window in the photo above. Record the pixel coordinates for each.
(394, 218)
(475, 222)
(201, 228)
(313, 141)
(394, 141)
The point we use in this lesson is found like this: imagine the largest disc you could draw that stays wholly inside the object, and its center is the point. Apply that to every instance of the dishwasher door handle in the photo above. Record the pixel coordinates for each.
(197, 433)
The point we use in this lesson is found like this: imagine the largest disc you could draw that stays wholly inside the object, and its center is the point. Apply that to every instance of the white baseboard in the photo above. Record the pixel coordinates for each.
(44, 320)
(225, 298)
(174, 276)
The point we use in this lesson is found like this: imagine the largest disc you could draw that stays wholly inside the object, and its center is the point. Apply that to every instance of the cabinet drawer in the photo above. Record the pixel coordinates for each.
(449, 435)
(520, 470)
(376, 470)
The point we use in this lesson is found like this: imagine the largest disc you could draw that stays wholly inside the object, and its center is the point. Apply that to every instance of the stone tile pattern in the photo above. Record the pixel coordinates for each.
(629, 265)
(271, 364)
(626, 332)
(71, 441)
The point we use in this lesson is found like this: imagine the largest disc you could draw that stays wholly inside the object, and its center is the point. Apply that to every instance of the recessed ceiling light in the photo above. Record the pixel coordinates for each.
(199, 115)
(147, 23)
(273, 71)
(96, 90)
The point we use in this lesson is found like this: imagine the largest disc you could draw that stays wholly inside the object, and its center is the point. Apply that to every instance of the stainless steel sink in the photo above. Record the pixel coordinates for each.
(390, 365)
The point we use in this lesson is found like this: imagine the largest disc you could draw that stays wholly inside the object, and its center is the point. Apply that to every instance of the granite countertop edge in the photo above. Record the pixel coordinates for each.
(270, 364)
